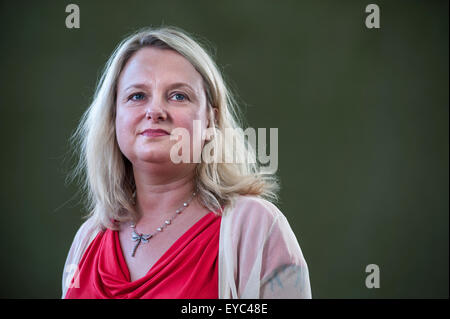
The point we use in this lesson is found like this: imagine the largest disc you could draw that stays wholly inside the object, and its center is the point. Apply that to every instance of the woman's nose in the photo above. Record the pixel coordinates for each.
(155, 113)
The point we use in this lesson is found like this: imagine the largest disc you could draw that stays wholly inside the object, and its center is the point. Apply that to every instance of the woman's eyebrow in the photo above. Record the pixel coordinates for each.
(172, 86)
(178, 85)
(136, 86)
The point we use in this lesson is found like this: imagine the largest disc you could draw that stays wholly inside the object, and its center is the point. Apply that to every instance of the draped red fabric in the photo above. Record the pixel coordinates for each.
(188, 269)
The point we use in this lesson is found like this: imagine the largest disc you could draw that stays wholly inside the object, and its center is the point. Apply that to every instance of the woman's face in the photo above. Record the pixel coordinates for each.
(158, 89)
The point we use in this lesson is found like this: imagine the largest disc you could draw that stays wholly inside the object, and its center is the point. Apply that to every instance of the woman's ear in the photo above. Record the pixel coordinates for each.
(213, 115)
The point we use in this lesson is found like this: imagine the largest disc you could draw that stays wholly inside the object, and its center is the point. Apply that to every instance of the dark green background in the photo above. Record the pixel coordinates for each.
(362, 117)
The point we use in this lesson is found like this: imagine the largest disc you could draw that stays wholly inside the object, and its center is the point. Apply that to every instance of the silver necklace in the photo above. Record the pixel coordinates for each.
(144, 238)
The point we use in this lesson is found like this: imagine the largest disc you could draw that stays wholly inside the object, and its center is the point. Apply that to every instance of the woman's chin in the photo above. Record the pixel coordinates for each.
(154, 156)
(157, 160)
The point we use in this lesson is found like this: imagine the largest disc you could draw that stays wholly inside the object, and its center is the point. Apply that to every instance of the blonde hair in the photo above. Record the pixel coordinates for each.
(106, 174)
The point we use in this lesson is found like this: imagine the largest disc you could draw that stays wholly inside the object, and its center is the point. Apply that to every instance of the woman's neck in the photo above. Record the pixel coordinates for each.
(159, 195)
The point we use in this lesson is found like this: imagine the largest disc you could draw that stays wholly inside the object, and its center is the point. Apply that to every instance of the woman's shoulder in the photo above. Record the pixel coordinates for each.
(85, 234)
(90, 225)
(253, 210)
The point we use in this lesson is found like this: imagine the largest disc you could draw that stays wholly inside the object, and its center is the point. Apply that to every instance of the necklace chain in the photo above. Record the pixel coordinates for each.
(144, 238)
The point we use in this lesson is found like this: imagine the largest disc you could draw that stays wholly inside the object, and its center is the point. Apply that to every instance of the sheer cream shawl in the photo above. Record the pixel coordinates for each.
(259, 255)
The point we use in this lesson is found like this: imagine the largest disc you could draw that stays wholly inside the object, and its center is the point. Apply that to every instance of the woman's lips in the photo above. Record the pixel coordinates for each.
(153, 133)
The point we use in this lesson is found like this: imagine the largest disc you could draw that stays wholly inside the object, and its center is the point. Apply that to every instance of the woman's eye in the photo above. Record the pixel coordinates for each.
(179, 97)
(136, 97)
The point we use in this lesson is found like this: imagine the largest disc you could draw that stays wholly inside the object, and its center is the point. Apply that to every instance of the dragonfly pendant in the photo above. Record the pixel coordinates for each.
(138, 238)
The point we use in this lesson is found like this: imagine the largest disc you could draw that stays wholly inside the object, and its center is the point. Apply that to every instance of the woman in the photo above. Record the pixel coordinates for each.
(160, 228)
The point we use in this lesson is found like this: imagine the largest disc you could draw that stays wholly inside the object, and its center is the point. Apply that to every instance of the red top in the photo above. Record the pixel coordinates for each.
(187, 270)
